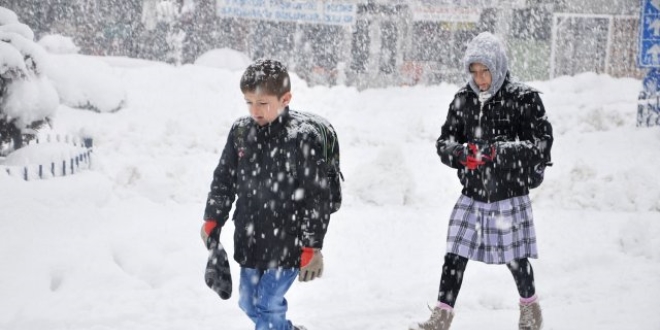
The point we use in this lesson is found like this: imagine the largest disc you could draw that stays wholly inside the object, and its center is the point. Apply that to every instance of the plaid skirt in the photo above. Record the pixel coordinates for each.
(494, 233)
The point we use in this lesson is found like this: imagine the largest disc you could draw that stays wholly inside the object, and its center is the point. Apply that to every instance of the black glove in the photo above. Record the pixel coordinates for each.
(218, 275)
(536, 174)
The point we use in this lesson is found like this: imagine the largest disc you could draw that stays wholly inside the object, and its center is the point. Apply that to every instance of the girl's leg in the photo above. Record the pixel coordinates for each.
(450, 284)
(451, 279)
(531, 316)
(523, 274)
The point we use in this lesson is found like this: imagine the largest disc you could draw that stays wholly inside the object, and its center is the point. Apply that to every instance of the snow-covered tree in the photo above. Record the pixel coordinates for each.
(27, 98)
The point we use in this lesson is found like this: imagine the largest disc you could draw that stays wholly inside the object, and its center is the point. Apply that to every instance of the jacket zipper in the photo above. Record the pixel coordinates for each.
(483, 98)
(257, 221)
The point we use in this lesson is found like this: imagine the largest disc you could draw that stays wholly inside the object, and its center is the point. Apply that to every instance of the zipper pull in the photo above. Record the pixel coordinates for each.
(483, 97)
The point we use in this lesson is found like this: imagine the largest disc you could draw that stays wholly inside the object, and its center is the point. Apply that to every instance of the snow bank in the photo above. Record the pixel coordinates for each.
(58, 44)
(224, 58)
(86, 82)
(117, 247)
(46, 160)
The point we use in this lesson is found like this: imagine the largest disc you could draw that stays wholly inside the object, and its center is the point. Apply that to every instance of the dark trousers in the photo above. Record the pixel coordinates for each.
(454, 267)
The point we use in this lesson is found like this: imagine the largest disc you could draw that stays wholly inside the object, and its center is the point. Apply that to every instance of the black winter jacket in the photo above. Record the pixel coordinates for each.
(514, 120)
(277, 173)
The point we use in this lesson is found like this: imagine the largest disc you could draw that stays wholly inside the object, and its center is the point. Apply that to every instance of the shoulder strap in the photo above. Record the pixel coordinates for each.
(238, 135)
(323, 133)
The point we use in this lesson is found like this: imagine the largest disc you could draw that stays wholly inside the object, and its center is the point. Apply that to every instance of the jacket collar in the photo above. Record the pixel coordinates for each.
(276, 126)
(468, 90)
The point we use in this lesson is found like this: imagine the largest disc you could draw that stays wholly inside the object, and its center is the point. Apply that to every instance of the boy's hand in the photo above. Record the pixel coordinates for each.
(311, 264)
(210, 233)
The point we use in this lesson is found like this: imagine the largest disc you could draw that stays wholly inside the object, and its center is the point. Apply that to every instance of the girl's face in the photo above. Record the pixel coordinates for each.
(481, 76)
(265, 108)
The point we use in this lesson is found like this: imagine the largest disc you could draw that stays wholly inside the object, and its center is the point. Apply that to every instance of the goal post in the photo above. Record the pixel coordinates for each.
(594, 43)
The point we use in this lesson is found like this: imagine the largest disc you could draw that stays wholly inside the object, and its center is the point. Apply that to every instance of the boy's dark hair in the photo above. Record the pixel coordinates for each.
(266, 76)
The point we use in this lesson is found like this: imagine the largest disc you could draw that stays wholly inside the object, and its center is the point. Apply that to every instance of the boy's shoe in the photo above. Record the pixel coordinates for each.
(299, 327)
(530, 316)
(440, 320)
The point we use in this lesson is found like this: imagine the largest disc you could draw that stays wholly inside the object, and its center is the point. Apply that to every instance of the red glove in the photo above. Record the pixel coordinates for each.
(472, 163)
(477, 154)
(306, 256)
(484, 150)
(311, 264)
(210, 233)
(468, 157)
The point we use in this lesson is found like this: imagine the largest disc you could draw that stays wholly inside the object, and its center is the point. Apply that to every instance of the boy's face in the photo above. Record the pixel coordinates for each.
(265, 108)
(481, 76)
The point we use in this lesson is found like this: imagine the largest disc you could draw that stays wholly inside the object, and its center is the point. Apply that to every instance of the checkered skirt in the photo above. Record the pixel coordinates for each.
(494, 233)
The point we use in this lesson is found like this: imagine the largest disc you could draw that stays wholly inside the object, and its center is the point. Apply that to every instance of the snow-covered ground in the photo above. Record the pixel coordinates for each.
(117, 246)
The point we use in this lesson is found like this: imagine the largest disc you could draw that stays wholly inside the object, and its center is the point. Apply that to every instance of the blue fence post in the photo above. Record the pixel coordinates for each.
(648, 107)
(88, 142)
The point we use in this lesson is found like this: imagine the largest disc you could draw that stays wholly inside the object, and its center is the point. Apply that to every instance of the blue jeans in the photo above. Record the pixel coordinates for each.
(261, 296)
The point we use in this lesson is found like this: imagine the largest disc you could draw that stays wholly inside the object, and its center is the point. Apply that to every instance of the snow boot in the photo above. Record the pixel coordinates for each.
(530, 316)
(298, 327)
(440, 320)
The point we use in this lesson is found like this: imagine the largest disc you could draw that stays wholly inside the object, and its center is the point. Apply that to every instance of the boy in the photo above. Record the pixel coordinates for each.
(496, 134)
(273, 163)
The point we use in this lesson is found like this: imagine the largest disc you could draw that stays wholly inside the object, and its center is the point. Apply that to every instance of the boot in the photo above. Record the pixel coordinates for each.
(440, 320)
(530, 316)
(299, 327)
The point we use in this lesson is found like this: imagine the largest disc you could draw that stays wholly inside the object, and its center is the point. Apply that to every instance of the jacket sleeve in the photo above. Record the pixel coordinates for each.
(314, 192)
(450, 143)
(534, 140)
(223, 187)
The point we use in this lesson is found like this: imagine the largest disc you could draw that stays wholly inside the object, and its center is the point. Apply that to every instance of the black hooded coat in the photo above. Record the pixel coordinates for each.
(277, 175)
(509, 116)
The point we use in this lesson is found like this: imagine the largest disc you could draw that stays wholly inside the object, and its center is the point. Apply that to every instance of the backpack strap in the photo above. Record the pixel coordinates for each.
(238, 135)
(328, 150)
